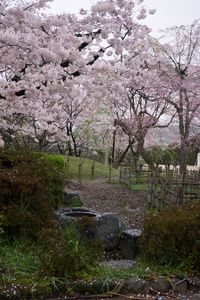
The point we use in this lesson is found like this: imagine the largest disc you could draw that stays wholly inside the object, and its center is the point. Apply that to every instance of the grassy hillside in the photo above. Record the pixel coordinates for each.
(88, 169)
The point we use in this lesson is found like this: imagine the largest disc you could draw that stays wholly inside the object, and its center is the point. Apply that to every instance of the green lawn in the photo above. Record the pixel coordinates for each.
(76, 165)
(139, 187)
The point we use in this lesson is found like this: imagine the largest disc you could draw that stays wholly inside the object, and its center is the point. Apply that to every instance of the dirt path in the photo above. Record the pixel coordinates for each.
(101, 196)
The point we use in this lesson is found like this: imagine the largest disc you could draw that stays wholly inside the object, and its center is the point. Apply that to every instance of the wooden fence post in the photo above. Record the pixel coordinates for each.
(129, 176)
(120, 174)
(80, 173)
(110, 172)
(92, 170)
(151, 191)
(67, 165)
(181, 189)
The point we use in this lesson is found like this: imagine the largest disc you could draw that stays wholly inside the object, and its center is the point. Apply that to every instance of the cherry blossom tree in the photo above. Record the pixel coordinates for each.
(133, 90)
(181, 73)
(77, 107)
(41, 55)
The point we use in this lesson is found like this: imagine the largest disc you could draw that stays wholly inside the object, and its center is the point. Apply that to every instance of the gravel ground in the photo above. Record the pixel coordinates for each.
(103, 197)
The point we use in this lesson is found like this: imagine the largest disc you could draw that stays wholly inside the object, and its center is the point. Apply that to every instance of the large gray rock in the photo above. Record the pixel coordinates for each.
(108, 229)
(129, 243)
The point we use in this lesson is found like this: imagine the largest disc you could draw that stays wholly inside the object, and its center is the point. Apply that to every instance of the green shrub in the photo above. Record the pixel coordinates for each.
(53, 168)
(58, 160)
(31, 186)
(173, 236)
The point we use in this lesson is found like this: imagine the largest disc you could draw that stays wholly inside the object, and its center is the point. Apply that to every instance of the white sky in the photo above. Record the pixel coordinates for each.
(168, 12)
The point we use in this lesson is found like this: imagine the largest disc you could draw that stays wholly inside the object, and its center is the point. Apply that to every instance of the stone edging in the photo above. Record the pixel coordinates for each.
(139, 286)
(124, 286)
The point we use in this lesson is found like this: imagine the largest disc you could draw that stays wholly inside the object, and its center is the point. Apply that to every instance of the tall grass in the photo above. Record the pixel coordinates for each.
(19, 262)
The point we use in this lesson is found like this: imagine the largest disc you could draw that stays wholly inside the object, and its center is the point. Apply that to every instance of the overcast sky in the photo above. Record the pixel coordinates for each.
(168, 12)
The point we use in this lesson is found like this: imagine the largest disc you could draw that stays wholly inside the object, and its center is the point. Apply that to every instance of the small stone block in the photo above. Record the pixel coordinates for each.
(129, 243)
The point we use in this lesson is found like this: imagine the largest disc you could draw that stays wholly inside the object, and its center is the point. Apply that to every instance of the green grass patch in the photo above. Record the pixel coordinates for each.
(145, 269)
(20, 262)
(87, 168)
(48, 268)
(139, 187)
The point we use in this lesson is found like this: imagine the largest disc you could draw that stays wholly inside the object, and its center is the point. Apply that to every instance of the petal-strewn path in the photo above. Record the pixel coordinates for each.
(101, 196)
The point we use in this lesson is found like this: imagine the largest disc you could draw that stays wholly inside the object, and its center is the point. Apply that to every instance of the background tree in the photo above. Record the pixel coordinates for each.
(181, 71)
(132, 89)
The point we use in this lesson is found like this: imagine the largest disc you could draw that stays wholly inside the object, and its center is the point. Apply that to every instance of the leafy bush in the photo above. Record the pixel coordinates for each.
(58, 160)
(35, 250)
(31, 186)
(173, 236)
(54, 177)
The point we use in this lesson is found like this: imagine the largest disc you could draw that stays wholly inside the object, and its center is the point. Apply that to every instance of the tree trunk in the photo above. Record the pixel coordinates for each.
(76, 152)
(184, 129)
(72, 143)
(122, 156)
(113, 147)
(145, 155)
(183, 158)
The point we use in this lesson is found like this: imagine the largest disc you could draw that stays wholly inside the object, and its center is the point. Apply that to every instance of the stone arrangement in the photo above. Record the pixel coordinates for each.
(106, 228)
(111, 231)
(137, 286)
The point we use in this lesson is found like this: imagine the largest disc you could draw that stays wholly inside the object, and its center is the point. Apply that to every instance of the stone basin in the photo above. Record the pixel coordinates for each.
(105, 228)
(79, 212)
